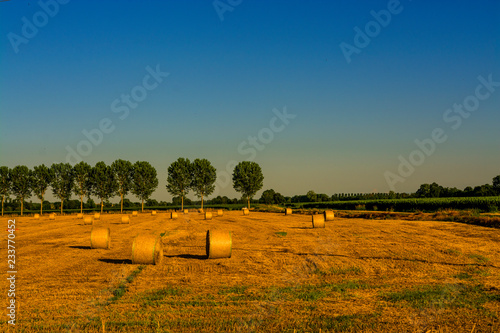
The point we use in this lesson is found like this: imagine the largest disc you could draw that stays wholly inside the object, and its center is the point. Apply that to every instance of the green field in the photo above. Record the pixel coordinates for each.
(483, 204)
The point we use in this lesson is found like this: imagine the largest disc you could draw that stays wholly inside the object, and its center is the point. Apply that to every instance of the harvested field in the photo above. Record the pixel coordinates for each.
(355, 275)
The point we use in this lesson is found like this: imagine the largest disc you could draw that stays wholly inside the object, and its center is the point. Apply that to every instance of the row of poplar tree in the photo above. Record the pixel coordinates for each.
(120, 178)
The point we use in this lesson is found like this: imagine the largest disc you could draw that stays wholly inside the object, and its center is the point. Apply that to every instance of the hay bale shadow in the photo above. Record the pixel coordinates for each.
(188, 256)
(116, 261)
(80, 247)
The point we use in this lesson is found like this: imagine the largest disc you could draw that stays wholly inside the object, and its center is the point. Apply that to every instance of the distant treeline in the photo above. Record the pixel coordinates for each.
(13, 205)
(425, 191)
(117, 180)
(272, 197)
(121, 177)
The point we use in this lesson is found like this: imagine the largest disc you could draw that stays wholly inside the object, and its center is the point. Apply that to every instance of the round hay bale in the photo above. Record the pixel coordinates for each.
(126, 219)
(186, 211)
(173, 215)
(219, 244)
(97, 216)
(329, 215)
(147, 249)
(88, 220)
(208, 216)
(134, 213)
(52, 216)
(36, 216)
(246, 211)
(79, 216)
(153, 213)
(288, 211)
(201, 211)
(220, 212)
(100, 238)
(318, 221)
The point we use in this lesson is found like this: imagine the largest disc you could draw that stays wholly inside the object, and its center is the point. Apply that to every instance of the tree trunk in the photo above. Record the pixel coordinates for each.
(62, 202)
(41, 206)
(3, 198)
(81, 204)
(121, 207)
(142, 209)
(202, 202)
(22, 203)
(182, 201)
(248, 203)
(102, 205)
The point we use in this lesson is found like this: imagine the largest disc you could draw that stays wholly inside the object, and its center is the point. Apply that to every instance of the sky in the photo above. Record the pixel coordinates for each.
(329, 96)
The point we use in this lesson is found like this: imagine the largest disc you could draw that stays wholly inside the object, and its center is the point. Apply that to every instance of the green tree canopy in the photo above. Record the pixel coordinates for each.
(435, 190)
(21, 179)
(248, 179)
(144, 181)
(180, 177)
(83, 184)
(424, 191)
(5, 183)
(103, 182)
(485, 190)
(42, 178)
(322, 197)
(268, 197)
(123, 174)
(204, 176)
(62, 181)
(312, 196)
(279, 198)
(496, 184)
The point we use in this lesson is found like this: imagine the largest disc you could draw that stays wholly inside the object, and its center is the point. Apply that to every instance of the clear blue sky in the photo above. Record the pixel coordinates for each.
(230, 67)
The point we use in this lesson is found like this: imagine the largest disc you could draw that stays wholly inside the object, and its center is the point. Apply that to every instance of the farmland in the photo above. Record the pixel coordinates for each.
(485, 204)
(356, 275)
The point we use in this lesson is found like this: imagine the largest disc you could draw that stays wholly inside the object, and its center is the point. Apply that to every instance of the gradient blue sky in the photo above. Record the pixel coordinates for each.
(353, 120)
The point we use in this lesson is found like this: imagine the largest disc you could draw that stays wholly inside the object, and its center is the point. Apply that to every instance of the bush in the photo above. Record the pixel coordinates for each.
(360, 207)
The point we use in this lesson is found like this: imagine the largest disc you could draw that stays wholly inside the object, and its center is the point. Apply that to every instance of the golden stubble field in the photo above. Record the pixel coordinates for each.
(355, 275)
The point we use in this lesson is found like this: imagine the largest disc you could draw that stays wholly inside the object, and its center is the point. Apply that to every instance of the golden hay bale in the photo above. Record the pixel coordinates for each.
(288, 211)
(147, 249)
(219, 244)
(97, 216)
(329, 215)
(79, 216)
(153, 212)
(126, 219)
(318, 221)
(201, 211)
(208, 216)
(173, 215)
(246, 211)
(220, 212)
(100, 238)
(134, 213)
(186, 211)
(36, 216)
(52, 216)
(88, 220)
